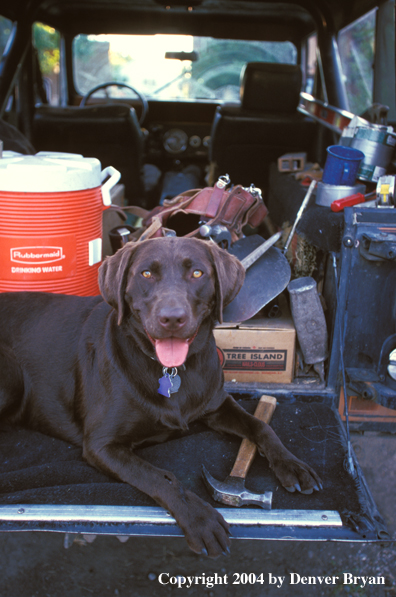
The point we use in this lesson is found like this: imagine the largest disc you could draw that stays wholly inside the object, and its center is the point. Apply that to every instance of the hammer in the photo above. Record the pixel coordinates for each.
(232, 491)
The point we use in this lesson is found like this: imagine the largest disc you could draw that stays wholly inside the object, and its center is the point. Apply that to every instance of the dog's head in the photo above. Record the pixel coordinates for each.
(169, 286)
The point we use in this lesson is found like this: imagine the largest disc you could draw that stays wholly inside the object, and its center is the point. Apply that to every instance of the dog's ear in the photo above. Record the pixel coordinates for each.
(113, 277)
(230, 275)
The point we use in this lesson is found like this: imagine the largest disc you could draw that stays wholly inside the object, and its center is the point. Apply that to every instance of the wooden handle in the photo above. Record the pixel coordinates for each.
(247, 451)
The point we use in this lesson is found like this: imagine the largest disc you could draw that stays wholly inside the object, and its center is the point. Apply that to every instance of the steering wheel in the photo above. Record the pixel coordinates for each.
(141, 97)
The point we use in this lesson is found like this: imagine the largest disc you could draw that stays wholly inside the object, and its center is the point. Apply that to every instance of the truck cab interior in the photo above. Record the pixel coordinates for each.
(192, 108)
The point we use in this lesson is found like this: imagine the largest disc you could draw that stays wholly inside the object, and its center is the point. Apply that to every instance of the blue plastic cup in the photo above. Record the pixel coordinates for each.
(342, 165)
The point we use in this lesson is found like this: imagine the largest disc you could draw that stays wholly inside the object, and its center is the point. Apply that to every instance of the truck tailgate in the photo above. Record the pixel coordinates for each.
(46, 485)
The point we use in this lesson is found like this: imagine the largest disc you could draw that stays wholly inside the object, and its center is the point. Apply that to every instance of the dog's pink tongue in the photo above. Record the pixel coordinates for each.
(171, 352)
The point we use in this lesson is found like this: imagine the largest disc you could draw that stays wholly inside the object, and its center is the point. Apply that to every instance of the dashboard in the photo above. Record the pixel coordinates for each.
(178, 141)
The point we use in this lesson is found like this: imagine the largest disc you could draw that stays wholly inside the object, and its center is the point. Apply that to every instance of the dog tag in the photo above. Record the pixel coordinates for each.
(169, 382)
(176, 381)
(165, 385)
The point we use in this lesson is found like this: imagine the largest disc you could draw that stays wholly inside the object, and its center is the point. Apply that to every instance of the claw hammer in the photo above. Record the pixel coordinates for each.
(232, 491)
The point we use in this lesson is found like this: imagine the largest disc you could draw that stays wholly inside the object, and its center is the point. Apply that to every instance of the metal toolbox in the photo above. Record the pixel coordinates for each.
(367, 301)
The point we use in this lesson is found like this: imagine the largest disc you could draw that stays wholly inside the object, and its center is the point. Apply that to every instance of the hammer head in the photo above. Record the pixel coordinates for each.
(233, 493)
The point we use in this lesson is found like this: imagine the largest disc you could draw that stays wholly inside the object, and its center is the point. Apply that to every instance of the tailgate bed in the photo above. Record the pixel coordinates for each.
(45, 485)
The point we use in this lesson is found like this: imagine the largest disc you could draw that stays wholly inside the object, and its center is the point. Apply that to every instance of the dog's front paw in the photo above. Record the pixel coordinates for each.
(294, 474)
(205, 529)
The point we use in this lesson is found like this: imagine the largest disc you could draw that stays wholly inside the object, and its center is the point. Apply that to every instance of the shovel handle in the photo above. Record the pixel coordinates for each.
(260, 250)
(247, 450)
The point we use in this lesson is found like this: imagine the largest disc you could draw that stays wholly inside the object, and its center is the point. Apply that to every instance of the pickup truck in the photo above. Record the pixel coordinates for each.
(174, 95)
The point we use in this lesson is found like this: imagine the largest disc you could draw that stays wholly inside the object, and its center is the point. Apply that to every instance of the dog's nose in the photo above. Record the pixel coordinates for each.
(172, 318)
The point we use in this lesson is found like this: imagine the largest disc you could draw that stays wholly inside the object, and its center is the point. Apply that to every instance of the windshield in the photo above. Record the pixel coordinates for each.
(170, 66)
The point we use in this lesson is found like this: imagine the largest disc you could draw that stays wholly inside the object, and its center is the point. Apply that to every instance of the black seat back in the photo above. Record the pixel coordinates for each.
(110, 133)
(245, 139)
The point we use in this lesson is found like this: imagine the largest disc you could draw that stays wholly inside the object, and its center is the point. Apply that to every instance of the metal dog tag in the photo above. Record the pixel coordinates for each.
(169, 382)
(176, 381)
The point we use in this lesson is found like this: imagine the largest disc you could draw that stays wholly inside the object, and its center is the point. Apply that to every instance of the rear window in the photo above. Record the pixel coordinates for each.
(170, 66)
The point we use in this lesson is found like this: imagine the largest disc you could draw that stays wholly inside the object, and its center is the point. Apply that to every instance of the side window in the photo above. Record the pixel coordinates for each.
(309, 59)
(5, 31)
(356, 46)
(46, 40)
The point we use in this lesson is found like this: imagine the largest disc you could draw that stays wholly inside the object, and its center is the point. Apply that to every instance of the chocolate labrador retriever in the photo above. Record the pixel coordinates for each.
(99, 372)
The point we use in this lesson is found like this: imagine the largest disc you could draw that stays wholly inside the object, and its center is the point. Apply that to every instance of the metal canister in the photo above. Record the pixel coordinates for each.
(377, 142)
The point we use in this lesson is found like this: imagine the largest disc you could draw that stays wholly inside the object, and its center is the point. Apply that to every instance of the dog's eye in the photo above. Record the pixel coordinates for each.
(197, 273)
(146, 273)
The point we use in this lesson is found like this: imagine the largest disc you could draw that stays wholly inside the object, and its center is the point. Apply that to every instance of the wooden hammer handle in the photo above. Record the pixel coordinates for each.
(247, 451)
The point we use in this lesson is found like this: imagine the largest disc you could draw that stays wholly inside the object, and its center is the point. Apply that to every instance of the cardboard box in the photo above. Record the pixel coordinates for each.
(257, 350)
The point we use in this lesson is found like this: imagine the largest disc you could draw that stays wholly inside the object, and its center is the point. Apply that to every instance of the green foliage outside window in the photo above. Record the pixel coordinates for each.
(47, 43)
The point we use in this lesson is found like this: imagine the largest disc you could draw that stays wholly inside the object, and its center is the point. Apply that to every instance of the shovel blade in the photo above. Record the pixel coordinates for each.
(264, 280)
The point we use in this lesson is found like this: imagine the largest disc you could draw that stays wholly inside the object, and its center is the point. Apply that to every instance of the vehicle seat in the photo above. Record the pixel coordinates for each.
(14, 140)
(110, 133)
(245, 139)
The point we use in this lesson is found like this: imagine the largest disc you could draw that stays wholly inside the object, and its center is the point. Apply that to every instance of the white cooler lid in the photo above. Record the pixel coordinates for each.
(48, 172)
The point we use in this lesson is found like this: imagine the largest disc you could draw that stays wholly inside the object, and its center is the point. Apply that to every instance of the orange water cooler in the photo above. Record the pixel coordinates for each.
(51, 208)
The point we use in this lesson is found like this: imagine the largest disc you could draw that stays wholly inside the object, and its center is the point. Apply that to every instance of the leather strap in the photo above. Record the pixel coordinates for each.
(232, 208)
(214, 201)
